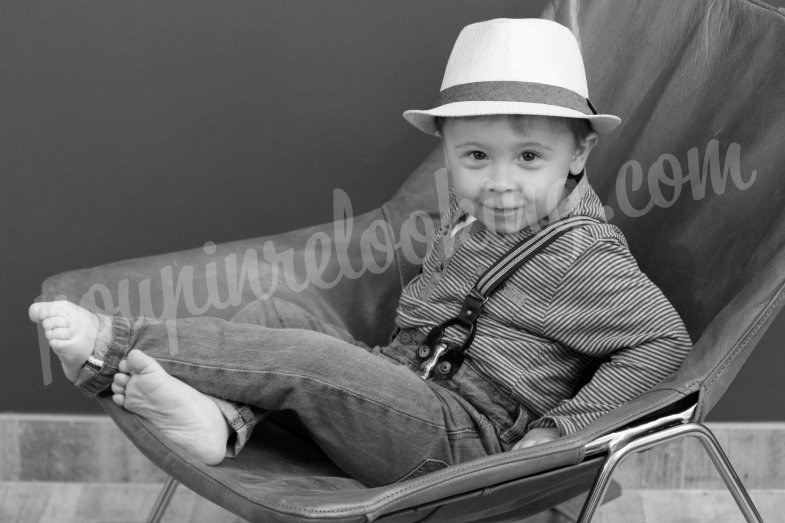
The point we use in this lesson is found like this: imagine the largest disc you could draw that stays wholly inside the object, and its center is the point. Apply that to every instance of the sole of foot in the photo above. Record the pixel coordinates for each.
(183, 414)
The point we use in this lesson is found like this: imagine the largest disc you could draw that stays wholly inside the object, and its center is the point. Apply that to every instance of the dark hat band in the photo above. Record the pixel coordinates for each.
(509, 91)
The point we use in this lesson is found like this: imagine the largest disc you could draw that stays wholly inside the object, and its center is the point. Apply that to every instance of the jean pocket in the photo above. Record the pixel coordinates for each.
(425, 467)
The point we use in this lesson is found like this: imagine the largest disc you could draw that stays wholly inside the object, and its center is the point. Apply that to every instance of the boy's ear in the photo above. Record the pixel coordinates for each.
(582, 152)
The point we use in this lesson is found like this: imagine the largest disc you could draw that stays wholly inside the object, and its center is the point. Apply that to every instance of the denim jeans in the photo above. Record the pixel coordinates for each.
(374, 417)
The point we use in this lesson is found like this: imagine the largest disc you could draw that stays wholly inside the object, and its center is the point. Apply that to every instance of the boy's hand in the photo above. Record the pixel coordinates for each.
(537, 437)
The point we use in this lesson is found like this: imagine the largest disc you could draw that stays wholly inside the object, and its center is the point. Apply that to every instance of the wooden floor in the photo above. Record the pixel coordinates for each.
(81, 469)
(33, 502)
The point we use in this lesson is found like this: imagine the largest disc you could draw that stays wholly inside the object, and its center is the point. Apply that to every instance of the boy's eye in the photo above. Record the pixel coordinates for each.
(478, 155)
(529, 156)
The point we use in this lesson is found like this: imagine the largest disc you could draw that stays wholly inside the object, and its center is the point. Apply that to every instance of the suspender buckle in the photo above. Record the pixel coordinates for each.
(439, 358)
(430, 364)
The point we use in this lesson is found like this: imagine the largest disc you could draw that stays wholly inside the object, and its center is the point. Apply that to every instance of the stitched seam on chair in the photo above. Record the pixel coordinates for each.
(380, 504)
(315, 380)
(491, 462)
(449, 480)
(348, 512)
(754, 328)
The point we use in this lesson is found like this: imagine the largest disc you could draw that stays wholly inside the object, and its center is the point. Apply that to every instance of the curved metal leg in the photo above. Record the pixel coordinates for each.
(620, 450)
(729, 476)
(164, 497)
(601, 482)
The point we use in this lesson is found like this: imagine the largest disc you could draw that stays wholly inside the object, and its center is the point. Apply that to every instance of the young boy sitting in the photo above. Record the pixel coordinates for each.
(572, 333)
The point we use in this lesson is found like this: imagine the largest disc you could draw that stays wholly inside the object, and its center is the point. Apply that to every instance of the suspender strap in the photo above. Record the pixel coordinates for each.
(435, 355)
(505, 266)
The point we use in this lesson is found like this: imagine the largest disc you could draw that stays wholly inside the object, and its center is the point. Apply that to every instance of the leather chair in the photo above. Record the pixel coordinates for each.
(693, 177)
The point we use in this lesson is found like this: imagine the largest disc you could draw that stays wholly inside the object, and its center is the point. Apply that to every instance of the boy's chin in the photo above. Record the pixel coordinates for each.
(509, 225)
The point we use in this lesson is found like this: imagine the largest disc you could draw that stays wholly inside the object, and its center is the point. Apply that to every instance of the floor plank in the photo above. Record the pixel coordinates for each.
(44, 502)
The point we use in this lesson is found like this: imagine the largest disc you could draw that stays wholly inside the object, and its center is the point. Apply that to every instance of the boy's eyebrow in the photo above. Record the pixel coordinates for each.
(471, 144)
(522, 144)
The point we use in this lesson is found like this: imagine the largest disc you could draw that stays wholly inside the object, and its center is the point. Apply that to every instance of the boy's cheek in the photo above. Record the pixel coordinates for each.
(530, 193)
(465, 189)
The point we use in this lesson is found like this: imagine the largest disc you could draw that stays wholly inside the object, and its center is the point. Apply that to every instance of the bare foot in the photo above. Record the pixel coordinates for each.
(73, 332)
(182, 413)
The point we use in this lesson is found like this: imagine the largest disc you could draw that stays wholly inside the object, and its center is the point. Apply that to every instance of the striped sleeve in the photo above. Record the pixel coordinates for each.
(606, 308)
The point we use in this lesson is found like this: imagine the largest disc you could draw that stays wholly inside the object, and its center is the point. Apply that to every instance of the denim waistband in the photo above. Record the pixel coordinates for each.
(508, 417)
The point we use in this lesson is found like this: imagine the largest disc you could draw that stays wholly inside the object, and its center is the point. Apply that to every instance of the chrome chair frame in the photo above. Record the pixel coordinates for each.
(618, 446)
(622, 444)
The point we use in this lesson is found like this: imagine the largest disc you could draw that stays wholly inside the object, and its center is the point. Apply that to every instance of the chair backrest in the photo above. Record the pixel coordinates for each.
(694, 174)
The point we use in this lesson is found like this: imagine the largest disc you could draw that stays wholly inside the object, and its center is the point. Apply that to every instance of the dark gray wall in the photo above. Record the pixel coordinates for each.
(136, 128)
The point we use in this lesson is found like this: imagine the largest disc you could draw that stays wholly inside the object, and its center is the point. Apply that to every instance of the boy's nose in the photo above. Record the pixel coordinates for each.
(499, 179)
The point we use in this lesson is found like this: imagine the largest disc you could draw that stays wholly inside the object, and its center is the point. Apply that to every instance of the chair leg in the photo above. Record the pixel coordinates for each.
(729, 476)
(164, 497)
(617, 454)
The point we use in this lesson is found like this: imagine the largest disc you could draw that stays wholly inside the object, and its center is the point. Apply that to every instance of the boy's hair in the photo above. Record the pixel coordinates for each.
(579, 127)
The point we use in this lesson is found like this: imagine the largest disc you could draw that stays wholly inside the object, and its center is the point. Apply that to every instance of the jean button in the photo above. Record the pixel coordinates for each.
(404, 337)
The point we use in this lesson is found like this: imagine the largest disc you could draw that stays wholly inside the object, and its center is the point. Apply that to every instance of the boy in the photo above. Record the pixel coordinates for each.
(517, 129)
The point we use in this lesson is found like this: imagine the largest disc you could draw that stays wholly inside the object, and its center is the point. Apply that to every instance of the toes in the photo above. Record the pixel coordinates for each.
(46, 309)
(53, 322)
(118, 389)
(34, 312)
(138, 362)
(58, 333)
(121, 379)
(40, 311)
(119, 399)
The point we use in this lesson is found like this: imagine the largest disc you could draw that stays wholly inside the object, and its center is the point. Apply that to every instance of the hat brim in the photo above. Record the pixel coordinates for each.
(424, 119)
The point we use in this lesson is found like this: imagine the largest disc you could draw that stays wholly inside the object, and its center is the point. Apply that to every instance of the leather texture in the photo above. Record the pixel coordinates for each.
(697, 84)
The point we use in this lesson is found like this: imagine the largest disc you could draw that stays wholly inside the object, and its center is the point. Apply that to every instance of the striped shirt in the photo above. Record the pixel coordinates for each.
(580, 304)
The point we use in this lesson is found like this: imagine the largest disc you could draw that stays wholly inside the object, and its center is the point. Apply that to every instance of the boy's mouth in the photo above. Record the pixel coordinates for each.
(503, 210)
(503, 214)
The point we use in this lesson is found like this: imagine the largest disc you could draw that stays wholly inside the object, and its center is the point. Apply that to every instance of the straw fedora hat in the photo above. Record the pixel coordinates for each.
(514, 66)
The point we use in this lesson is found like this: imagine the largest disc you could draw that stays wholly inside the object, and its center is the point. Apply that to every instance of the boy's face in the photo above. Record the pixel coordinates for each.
(507, 174)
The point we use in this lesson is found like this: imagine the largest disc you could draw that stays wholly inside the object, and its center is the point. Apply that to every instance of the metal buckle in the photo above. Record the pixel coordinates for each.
(430, 364)
(433, 351)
